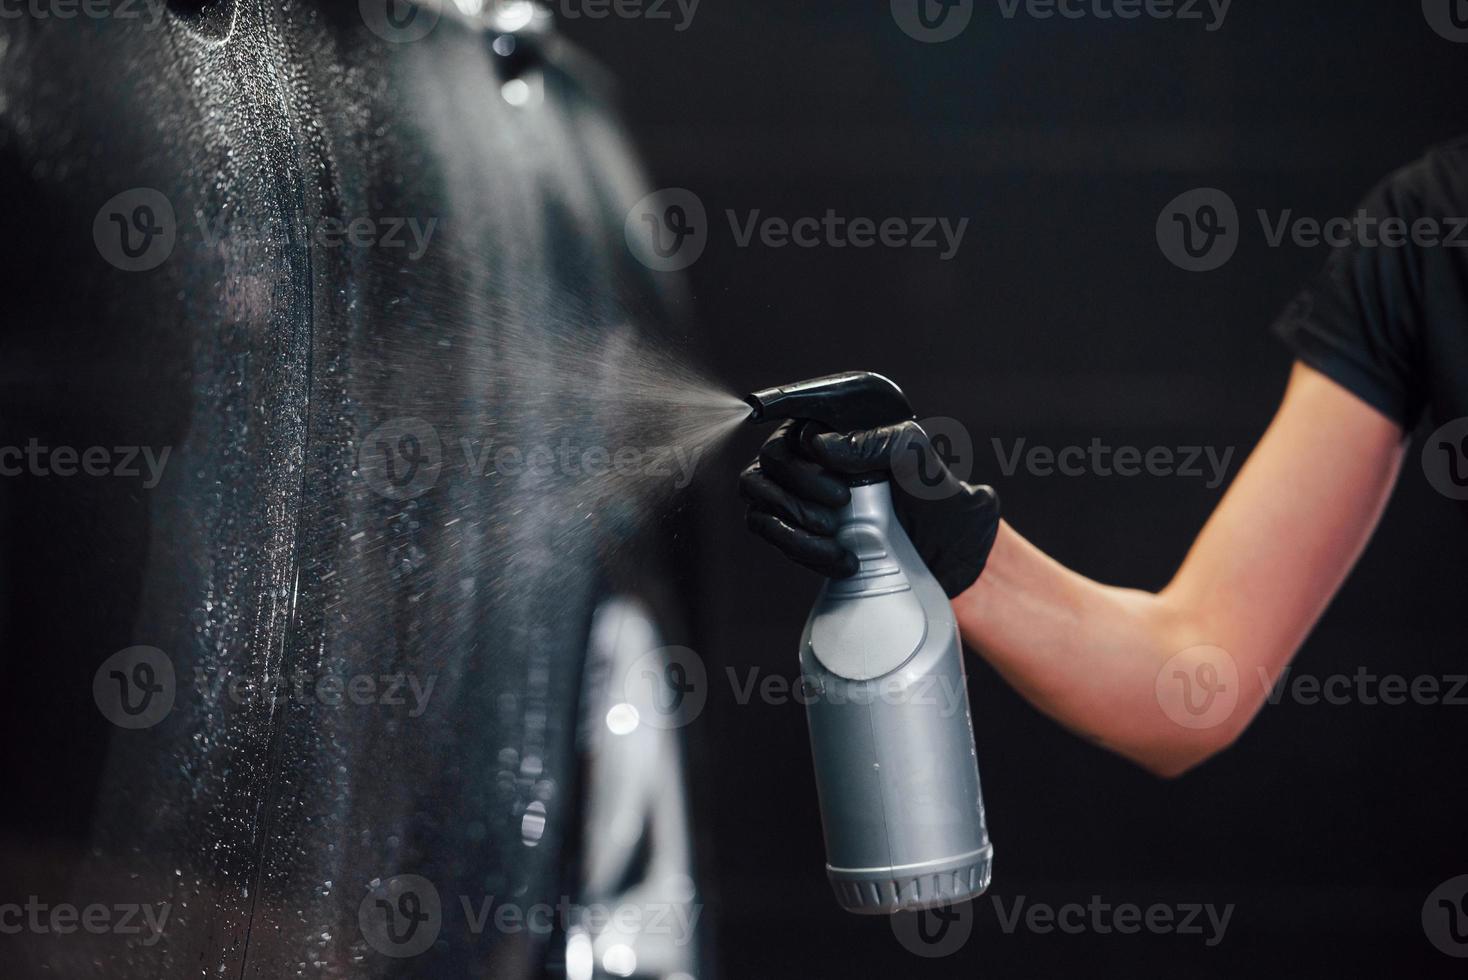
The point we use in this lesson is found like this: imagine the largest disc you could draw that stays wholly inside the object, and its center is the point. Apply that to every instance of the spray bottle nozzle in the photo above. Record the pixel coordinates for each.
(841, 402)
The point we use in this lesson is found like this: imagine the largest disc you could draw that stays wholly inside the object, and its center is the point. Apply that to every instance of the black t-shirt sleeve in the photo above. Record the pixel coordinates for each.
(1358, 321)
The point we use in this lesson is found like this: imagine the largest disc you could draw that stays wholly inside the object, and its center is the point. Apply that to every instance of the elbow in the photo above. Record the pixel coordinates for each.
(1176, 766)
(1177, 758)
(1200, 713)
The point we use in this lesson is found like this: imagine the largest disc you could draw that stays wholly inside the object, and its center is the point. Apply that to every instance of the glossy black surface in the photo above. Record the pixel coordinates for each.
(262, 359)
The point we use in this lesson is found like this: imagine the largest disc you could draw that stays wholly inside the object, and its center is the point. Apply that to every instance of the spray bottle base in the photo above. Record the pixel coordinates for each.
(913, 887)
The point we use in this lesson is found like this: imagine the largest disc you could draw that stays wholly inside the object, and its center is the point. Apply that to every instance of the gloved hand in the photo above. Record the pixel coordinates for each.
(796, 488)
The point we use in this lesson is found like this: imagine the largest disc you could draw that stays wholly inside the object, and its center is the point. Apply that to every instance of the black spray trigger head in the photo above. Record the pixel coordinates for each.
(840, 402)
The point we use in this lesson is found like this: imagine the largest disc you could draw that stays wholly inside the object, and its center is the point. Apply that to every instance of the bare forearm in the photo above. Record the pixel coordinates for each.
(1133, 670)
(1086, 654)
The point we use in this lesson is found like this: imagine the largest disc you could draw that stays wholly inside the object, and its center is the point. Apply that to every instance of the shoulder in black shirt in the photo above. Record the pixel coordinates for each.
(1387, 318)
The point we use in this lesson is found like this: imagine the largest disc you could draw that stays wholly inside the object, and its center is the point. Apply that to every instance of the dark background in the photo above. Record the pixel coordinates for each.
(1059, 321)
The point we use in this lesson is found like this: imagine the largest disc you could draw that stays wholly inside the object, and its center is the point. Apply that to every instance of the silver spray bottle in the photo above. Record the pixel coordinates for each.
(882, 671)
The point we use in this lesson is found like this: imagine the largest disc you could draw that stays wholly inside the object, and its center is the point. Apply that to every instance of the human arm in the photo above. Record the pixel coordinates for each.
(1253, 584)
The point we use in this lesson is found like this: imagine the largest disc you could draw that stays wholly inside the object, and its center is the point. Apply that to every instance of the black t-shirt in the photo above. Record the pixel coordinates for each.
(1387, 318)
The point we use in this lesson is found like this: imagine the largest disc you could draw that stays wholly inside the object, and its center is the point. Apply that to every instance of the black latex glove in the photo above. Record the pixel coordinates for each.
(796, 488)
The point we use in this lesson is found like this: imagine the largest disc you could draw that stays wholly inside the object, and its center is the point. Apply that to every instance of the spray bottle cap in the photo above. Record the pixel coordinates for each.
(841, 402)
